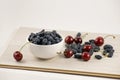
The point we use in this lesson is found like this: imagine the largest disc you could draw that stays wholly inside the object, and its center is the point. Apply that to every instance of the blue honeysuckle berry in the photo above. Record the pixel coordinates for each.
(45, 37)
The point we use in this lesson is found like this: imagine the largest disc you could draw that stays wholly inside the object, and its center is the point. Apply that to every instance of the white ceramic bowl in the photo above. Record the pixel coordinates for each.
(46, 51)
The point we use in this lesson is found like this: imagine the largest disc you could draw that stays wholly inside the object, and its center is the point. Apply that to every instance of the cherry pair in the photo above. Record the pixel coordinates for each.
(69, 40)
(69, 53)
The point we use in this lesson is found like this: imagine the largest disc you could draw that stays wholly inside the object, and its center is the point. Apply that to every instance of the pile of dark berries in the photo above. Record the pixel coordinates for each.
(45, 37)
(108, 50)
(84, 51)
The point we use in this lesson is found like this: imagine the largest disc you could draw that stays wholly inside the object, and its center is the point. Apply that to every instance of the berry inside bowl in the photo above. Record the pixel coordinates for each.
(45, 44)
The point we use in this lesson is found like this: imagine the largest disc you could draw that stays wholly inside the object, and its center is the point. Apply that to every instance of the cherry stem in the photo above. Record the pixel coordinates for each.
(109, 36)
(24, 46)
(106, 55)
(83, 36)
(59, 53)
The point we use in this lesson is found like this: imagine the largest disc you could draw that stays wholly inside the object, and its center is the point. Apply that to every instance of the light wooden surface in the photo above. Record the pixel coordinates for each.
(107, 67)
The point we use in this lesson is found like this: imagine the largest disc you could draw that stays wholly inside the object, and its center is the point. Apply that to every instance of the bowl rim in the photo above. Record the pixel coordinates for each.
(47, 45)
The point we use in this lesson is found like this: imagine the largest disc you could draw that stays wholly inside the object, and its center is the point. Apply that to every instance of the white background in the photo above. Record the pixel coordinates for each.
(82, 15)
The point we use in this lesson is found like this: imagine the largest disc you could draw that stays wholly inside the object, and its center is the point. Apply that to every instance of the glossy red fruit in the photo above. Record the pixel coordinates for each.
(69, 40)
(78, 40)
(68, 53)
(86, 56)
(87, 48)
(17, 56)
(99, 41)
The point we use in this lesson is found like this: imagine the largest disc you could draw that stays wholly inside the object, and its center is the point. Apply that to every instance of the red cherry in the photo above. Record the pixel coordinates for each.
(99, 41)
(78, 40)
(68, 53)
(69, 39)
(17, 55)
(86, 56)
(87, 48)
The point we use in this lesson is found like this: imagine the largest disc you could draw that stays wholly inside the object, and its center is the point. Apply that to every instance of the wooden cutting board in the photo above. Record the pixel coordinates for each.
(107, 67)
